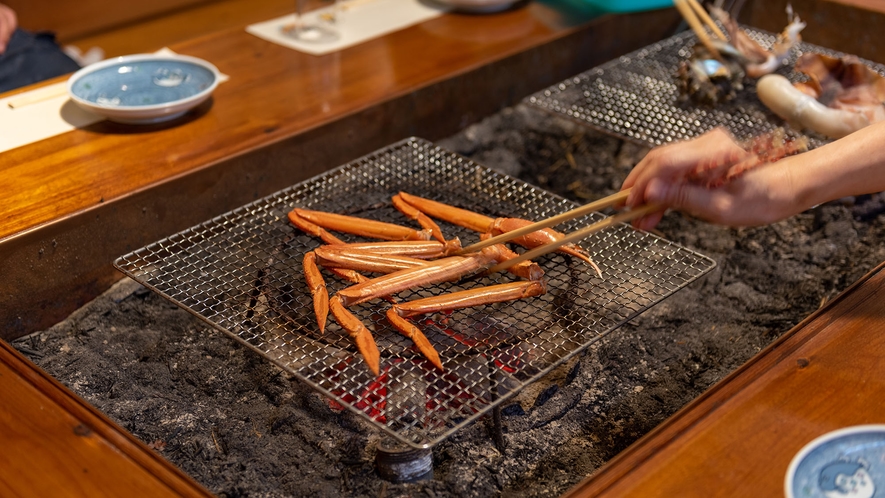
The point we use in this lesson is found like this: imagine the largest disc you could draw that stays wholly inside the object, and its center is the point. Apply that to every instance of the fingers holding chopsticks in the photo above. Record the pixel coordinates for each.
(714, 178)
(662, 176)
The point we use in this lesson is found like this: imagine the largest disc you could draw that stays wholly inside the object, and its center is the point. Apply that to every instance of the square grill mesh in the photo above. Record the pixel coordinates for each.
(636, 96)
(242, 273)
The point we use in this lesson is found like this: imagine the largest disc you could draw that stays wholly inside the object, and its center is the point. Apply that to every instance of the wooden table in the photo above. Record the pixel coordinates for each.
(739, 437)
(74, 202)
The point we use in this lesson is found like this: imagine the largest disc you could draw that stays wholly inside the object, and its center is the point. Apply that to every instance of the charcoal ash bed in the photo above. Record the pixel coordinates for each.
(242, 426)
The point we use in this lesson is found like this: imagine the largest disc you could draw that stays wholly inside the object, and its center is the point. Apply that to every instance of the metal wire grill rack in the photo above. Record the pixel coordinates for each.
(242, 273)
(636, 96)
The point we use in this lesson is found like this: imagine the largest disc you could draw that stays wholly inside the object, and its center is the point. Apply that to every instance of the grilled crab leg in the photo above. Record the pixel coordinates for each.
(310, 221)
(345, 257)
(417, 273)
(397, 314)
(441, 270)
(317, 287)
(361, 226)
(421, 249)
(528, 270)
(360, 334)
(409, 330)
(470, 297)
(422, 219)
(403, 272)
(495, 226)
(313, 229)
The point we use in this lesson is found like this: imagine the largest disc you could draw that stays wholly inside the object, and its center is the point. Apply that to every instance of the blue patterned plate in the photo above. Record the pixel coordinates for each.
(143, 88)
(842, 463)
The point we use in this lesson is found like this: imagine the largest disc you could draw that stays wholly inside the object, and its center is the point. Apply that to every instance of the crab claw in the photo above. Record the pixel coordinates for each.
(411, 331)
(540, 238)
(407, 209)
(317, 287)
(365, 343)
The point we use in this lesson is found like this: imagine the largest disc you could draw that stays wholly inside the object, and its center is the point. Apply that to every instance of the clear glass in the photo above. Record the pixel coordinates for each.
(320, 25)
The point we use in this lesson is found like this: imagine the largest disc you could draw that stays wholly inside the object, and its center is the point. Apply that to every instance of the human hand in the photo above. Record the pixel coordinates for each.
(664, 176)
(8, 23)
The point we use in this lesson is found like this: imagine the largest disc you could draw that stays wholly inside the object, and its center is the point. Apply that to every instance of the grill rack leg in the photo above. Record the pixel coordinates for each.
(398, 463)
(497, 428)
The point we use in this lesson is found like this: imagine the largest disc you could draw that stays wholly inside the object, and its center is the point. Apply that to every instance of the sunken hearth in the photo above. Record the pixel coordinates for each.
(242, 426)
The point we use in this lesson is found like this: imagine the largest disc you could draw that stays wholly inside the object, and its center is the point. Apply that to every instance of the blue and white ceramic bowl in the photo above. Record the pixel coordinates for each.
(849, 462)
(143, 88)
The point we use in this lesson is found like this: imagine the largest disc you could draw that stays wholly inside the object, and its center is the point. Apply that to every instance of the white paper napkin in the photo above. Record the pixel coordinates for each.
(358, 21)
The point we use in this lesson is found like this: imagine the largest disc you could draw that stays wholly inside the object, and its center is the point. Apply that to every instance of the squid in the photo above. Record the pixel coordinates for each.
(757, 60)
(840, 97)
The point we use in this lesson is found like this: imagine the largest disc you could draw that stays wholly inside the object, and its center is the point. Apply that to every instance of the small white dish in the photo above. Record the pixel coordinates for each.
(144, 88)
(842, 463)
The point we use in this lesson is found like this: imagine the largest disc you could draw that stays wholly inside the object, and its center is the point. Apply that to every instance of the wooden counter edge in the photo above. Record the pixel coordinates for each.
(129, 446)
(707, 403)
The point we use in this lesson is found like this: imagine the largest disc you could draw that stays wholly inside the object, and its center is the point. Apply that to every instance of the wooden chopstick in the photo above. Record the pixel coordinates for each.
(578, 235)
(691, 18)
(702, 13)
(38, 95)
(549, 222)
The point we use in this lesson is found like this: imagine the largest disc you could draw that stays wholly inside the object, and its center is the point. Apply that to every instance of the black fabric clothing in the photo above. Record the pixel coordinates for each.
(32, 57)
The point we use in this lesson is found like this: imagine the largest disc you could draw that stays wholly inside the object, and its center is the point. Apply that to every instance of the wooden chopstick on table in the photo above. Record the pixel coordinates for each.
(38, 95)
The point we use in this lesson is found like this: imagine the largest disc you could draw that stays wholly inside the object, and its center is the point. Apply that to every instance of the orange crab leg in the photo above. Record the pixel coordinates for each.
(409, 330)
(441, 270)
(528, 270)
(462, 299)
(461, 217)
(540, 238)
(317, 289)
(349, 275)
(421, 249)
(471, 297)
(361, 226)
(360, 334)
(346, 257)
(422, 219)
(313, 229)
